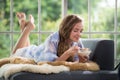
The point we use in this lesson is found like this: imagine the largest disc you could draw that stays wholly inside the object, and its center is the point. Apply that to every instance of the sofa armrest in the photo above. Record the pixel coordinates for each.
(102, 52)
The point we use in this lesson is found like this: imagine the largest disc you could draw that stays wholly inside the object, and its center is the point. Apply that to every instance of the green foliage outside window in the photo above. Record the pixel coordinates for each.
(102, 20)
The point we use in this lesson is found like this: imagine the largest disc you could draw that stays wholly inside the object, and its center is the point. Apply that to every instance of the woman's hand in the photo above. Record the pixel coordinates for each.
(70, 52)
(83, 58)
(73, 50)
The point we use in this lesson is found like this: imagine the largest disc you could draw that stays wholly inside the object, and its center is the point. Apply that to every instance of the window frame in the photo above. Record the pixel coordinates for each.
(64, 13)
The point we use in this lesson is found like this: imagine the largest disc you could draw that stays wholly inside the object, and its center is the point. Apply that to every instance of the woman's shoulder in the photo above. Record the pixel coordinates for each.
(54, 36)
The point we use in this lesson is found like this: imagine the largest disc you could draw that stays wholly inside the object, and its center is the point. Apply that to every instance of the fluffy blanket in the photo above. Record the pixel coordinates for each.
(9, 66)
(9, 69)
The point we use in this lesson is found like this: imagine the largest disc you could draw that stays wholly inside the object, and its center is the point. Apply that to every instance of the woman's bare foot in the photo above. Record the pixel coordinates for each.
(30, 24)
(22, 20)
(23, 23)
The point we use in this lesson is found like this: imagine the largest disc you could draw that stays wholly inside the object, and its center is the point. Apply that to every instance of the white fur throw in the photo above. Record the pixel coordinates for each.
(9, 69)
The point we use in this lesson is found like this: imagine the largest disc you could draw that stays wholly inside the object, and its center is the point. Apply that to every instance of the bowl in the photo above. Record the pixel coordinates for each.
(84, 51)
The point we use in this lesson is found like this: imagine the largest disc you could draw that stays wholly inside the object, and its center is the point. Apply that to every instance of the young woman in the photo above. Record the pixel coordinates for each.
(62, 45)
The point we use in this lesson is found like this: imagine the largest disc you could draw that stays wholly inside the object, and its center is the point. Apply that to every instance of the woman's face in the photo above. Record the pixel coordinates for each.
(76, 32)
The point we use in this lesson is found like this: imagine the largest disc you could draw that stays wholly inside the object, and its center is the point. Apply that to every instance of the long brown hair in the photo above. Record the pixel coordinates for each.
(65, 29)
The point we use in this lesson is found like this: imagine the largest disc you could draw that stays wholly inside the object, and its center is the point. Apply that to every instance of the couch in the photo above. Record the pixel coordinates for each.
(119, 72)
(102, 53)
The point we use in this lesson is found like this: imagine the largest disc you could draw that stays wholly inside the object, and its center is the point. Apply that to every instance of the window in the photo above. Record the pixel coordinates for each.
(101, 20)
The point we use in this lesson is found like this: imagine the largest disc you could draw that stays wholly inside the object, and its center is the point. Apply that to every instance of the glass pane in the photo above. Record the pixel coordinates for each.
(103, 36)
(102, 15)
(33, 38)
(50, 14)
(118, 16)
(79, 7)
(85, 36)
(44, 37)
(4, 45)
(118, 47)
(4, 15)
(117, 57)
(28, 7)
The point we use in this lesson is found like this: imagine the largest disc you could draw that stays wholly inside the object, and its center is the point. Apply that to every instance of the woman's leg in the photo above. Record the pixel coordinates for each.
(22, 21)
(25, 34)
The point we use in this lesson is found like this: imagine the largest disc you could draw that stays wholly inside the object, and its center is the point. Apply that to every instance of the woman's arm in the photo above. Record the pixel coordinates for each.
(64, 57)
(70, 52)
(83, 58)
